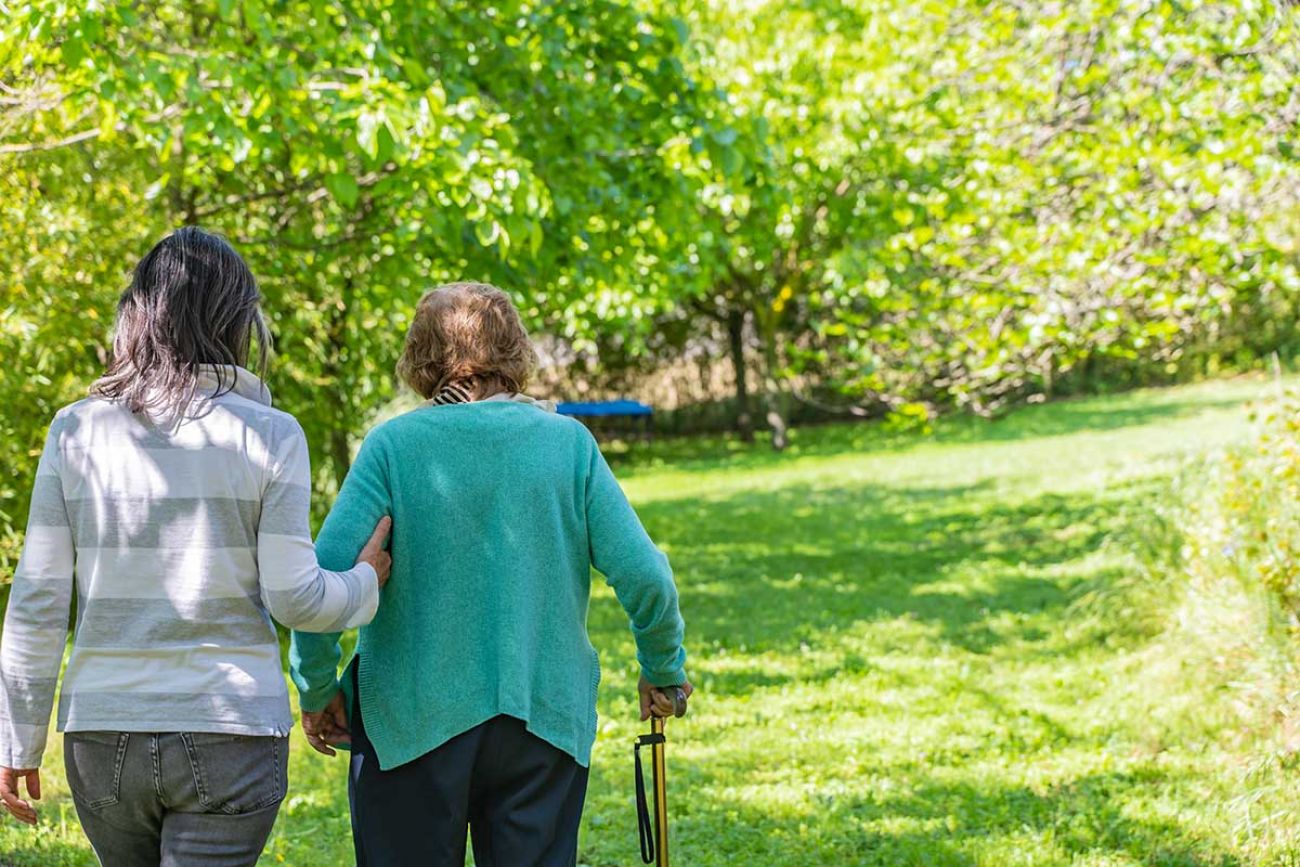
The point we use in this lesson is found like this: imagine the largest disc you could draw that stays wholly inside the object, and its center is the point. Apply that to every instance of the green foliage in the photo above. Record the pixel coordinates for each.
(912, 205)
(894, 663)
(943, 204)
(1231, 528)
(356, 154)
(1242, 523)
(975, 201)
(1221, 551)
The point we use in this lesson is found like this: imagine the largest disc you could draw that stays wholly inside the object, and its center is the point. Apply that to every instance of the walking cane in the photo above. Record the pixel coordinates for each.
(654, 837)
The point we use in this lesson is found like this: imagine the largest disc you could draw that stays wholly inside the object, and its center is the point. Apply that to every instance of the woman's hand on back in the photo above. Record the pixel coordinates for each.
(374, 552)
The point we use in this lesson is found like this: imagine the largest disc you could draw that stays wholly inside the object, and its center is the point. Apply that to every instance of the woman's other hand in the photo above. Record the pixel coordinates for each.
(21, 810)
(374, 552)
(328, 726)
(655, 700)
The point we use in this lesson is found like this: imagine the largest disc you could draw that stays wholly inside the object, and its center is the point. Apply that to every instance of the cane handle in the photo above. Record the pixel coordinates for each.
(677, 696)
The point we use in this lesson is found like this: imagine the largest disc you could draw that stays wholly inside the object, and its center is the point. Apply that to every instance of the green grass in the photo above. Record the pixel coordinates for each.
(909, 650)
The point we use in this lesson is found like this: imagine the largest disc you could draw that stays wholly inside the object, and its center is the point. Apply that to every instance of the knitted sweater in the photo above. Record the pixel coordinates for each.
(500, 510)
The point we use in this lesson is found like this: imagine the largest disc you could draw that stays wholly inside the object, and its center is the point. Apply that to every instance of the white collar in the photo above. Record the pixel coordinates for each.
(240, 380)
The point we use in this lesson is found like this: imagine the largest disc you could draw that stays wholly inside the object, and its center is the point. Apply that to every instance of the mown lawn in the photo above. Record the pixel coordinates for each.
(909, 650)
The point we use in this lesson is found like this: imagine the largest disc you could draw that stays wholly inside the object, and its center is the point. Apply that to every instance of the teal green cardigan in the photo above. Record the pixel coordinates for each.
(500, 511)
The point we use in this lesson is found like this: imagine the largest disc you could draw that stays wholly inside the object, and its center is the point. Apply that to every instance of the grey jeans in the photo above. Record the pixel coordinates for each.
(172, 799)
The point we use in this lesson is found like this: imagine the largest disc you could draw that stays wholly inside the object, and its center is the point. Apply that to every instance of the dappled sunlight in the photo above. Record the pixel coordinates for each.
(909, 657)
(900, 324)
(902, 665)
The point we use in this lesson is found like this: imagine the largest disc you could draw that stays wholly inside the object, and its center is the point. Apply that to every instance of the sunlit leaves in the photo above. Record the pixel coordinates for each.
(356, 155)
(990, 199)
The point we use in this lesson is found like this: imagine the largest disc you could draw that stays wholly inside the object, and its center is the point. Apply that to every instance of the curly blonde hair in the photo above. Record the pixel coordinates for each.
(469, 334)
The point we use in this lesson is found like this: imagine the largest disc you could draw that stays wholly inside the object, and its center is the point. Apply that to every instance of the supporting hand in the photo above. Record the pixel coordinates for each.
(656, 701)
(328, 726)
(374, 552)
(21, 810)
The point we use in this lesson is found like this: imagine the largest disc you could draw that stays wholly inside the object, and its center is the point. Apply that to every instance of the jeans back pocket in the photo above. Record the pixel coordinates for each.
(94, 762)
(238, 773)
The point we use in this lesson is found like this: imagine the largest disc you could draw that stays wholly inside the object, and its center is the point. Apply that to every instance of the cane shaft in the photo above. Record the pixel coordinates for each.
(661, 795)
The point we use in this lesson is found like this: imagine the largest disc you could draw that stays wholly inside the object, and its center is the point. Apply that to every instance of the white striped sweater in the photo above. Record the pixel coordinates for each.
(181, 543)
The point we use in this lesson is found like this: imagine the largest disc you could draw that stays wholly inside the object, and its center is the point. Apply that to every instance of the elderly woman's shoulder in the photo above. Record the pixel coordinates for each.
(424, 418)
(390, 426)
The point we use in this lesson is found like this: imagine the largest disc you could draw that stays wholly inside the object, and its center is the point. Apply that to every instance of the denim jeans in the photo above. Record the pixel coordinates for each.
(176, 798)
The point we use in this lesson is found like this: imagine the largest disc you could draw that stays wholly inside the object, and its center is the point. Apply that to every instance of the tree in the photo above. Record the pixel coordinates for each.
(964, 204)
(356, 154)
(885, 207)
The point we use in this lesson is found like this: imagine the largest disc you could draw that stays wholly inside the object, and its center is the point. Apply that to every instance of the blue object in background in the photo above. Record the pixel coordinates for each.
(604, 408)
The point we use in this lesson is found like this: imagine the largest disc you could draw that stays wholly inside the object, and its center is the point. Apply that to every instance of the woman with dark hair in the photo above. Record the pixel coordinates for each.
(175, 500)
(471, 702)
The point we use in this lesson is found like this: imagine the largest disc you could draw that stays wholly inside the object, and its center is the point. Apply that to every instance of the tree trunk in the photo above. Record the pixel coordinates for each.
(338, 449)
(772, 389)
(340, 452)
(736, 337)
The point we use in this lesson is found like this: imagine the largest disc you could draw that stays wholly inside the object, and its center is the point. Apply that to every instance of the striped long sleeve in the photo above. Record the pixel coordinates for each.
(189, 539)
(36, 623)
(296, 591)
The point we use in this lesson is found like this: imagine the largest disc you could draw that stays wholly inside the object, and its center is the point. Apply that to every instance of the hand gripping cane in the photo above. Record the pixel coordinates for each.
(654, 837)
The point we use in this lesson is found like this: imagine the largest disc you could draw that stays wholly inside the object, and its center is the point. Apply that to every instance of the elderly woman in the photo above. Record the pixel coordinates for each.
(471, 699)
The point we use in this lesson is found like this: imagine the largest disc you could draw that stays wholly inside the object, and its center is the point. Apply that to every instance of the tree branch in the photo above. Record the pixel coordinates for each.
(28, 147)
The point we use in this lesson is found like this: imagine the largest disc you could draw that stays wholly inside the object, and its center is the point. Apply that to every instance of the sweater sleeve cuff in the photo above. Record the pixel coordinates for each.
(314, 700)
(665, 678)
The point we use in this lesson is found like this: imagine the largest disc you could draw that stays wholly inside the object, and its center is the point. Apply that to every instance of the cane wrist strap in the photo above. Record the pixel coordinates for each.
(644, 826)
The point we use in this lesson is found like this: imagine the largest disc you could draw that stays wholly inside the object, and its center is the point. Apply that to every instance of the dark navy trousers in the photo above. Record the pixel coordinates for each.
(519, 797)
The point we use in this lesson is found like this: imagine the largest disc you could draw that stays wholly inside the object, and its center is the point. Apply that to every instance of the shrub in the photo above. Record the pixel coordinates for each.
(1223, 557)
(1243, 521)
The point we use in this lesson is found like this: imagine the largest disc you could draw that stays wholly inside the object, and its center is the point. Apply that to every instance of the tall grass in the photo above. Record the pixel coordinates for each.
(1224, 552)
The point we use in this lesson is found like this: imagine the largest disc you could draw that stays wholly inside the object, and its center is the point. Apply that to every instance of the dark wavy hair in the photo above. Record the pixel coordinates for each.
(192, 301)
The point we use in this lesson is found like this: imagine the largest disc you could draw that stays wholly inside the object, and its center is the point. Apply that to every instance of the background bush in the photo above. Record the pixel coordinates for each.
(1222, 578)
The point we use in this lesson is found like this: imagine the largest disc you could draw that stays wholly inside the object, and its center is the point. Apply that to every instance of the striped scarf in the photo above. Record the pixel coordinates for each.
(456, 391)
(466, 391)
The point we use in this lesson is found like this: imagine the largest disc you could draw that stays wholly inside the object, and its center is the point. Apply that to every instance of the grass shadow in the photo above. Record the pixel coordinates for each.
(772, 570)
